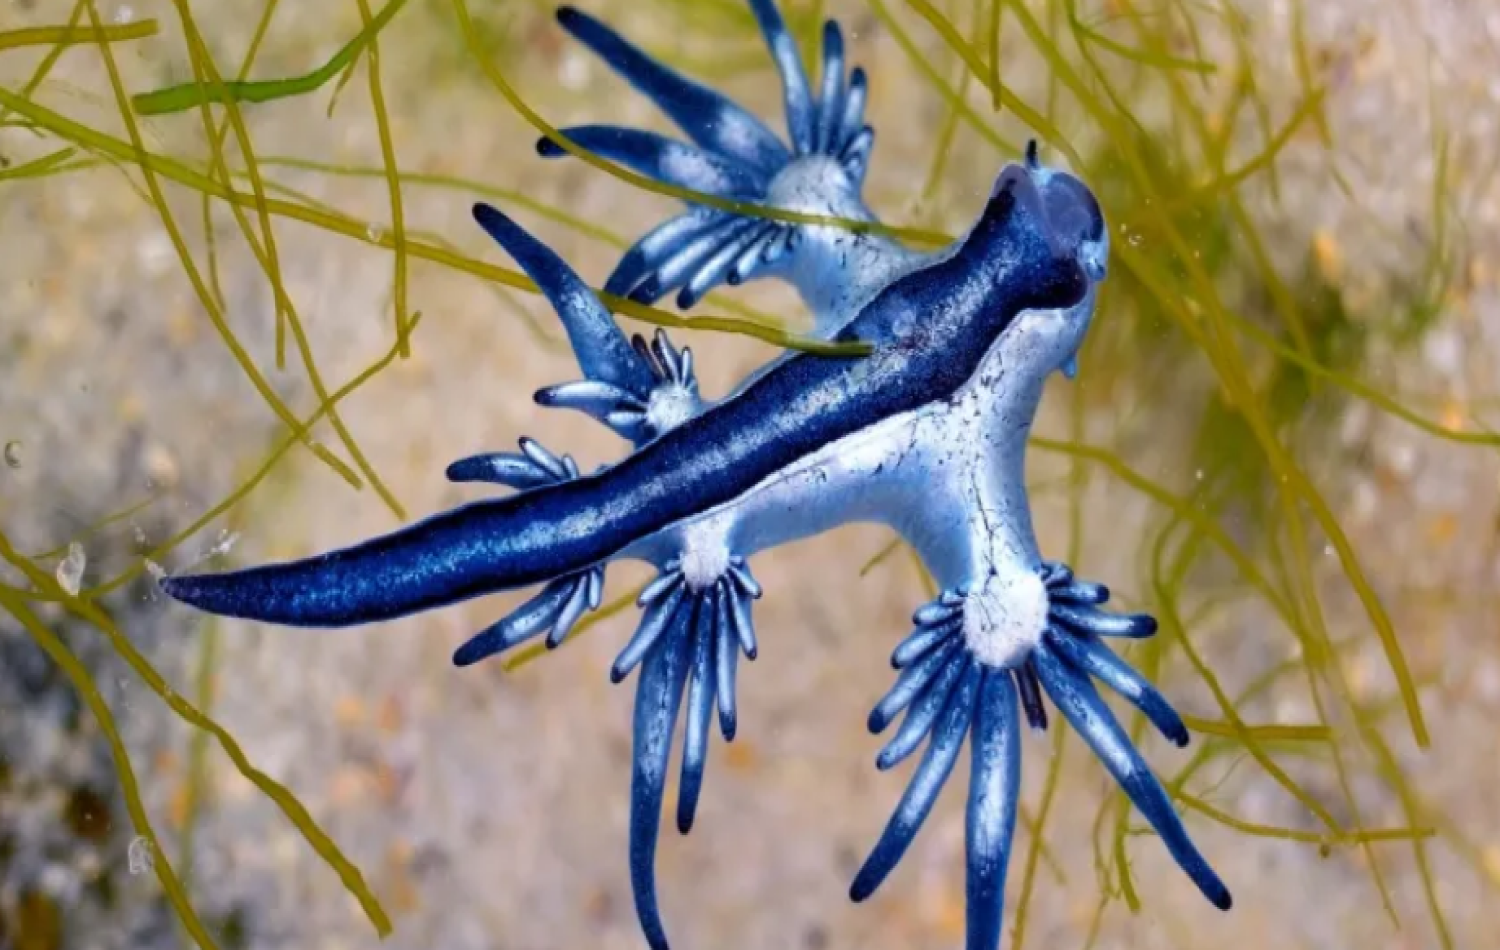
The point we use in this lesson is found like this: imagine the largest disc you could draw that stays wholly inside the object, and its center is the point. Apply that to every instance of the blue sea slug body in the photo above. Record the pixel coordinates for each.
(927, 434)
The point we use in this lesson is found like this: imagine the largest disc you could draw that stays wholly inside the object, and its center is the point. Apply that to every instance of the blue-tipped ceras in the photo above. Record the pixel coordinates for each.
(927, 434)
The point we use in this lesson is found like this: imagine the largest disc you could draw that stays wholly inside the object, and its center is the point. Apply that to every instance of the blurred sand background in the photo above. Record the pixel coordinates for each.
(489, 809)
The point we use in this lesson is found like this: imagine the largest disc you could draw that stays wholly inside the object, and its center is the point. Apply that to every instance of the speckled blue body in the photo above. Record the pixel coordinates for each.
(927, 434)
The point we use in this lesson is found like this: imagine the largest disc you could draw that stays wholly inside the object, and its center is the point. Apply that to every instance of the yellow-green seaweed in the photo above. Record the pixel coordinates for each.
(187, 95)
(1169, 285)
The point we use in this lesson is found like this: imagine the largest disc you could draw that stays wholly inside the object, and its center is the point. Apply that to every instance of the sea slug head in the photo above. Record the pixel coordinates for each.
(1079, 225)
(1042, 341)
(1074, 215)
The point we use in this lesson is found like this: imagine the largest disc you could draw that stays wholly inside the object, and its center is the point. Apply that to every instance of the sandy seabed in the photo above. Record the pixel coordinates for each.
(489, 810)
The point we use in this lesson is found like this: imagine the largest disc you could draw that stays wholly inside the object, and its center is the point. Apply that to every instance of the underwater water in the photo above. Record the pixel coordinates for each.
(1278, 443)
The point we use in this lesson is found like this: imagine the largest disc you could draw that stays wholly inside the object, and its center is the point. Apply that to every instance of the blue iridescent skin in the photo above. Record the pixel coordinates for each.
(926, 435)
(732, 154)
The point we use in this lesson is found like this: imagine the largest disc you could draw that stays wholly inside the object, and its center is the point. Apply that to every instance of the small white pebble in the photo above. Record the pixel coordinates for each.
(156, 253)
(155, 570)
(573, 71)
(374, 232)
(1257, 804)
(1364, 500)
(88, 864)
(59, 881)
(1444, 352)
(161, 466)
(1487, 681)
(1401, 456)
(70, 570)
(1290, 710)
(124, 14)
(1355, 425)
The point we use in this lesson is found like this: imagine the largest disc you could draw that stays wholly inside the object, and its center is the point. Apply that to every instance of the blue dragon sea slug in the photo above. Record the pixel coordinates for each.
(927, 434)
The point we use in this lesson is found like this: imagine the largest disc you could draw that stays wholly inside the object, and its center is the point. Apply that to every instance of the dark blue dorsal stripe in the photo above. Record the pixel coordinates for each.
(804, 404)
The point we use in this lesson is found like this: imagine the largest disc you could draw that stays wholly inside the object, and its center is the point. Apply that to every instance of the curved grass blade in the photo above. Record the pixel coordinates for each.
(250, 484)
(970, 56)
(187, 95)
(348, 227)
(62, 36)
(743, 208)
(265, 255)
(392, 173)
(132, 152)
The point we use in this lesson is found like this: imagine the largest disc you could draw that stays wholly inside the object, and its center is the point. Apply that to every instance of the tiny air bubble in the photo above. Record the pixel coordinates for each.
(70, 571)
(225, 543)
(13, 453)
(140, 856)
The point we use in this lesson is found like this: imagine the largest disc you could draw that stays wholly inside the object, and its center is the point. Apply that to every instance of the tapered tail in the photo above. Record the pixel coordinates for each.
(476, 549)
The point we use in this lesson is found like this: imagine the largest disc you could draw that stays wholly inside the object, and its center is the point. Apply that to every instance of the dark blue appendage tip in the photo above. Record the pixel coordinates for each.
(603, 351)
(946, 695)
(732, 154)
(658, 696)
(1089, 715)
